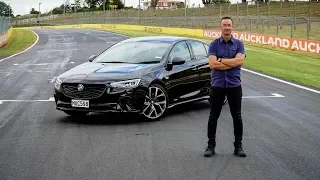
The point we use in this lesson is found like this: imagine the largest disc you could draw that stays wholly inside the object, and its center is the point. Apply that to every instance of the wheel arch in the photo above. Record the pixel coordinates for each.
(158, 81)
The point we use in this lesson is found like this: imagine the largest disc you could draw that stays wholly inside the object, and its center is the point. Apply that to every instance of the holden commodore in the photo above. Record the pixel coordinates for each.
(145, 75)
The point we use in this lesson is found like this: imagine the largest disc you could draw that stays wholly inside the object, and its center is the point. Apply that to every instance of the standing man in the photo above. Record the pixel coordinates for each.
(226, 56)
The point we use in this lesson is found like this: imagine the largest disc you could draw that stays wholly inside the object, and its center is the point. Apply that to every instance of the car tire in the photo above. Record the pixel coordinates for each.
(76, 113)
(155, 103)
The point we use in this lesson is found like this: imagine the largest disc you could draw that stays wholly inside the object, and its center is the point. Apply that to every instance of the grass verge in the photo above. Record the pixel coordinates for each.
(301, 68)
(21, 39)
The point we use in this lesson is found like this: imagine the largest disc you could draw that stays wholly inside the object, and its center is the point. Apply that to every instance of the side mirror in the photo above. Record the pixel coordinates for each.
(175, 61)
(92, 57)
(178, 61)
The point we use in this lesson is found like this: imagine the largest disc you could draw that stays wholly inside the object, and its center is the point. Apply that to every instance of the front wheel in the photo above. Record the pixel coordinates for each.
(156, 102)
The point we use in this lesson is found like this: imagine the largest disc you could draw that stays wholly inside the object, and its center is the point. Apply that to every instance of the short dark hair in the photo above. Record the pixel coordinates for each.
(226, 17)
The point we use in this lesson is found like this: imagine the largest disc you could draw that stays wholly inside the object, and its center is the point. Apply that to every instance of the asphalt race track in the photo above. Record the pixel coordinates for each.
(281, 126)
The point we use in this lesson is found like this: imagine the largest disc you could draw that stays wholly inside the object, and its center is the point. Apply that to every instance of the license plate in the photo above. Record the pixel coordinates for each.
(80, 103)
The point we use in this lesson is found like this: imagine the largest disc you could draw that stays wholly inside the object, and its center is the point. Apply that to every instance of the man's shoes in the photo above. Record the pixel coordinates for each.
(209, 151)
(238, 151)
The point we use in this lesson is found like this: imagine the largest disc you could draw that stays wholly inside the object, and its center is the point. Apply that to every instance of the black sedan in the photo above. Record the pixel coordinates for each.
(145, 75)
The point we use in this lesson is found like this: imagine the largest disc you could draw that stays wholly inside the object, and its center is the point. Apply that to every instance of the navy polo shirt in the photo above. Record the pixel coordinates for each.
(222, 49)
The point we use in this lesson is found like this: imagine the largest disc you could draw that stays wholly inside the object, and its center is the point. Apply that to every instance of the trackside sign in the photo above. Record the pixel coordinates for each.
(277, 41)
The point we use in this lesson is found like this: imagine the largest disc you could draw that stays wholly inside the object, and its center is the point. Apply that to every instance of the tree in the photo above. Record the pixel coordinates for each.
(57, 10)
(180, 5)
(154, 3)
(93, 3)
(4, 9)
(206, 2)
(118, 4)
(33, 11)
(78, 3)
(209, 2)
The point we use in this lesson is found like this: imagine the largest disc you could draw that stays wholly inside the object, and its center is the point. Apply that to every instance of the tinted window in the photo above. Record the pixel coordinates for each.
(198, 50)
(180, 50)
(134, 52)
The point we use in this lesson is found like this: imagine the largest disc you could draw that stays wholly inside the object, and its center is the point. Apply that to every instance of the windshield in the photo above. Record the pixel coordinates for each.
(134, 52)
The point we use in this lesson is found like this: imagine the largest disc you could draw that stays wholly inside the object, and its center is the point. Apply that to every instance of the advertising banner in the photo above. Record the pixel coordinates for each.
(275, 41)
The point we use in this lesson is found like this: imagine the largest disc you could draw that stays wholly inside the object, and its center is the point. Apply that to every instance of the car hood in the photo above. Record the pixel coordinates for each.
(106, 72)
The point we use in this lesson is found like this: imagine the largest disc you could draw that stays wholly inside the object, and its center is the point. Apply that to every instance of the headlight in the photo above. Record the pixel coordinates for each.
(58, 84)
(126, 84)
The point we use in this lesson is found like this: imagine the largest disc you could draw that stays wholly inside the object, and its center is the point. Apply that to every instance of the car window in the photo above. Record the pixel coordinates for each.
(198, 49)
(134, 52)
(180, 50)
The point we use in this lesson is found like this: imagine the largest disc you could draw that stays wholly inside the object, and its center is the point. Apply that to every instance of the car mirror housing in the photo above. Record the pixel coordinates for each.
(178, 61)
(92, 57)
(175, 61)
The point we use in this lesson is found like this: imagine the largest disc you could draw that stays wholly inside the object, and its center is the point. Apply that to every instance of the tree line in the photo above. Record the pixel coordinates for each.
(5, 10)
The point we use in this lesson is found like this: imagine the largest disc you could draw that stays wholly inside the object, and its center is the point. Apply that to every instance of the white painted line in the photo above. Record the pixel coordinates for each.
(31, 71)
(8, 75)
(285, 82)
(24, 50)
(57, 50)
(51, 69)
(56, 35)
(51, 99)
(40, 64)
(273, 96)
(107, 32)
(3, 77)
(43, 64)
(63, 43)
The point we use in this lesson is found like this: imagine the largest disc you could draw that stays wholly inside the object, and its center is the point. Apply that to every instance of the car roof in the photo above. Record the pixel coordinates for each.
(164, 39)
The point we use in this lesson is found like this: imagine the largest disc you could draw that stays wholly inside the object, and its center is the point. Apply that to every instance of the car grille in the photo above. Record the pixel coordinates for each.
(89, 91)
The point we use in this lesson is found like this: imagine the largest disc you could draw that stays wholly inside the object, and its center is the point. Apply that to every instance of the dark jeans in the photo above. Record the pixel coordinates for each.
(217, 96)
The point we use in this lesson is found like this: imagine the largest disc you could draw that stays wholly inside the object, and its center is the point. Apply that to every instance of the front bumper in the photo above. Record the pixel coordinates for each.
(124, 100)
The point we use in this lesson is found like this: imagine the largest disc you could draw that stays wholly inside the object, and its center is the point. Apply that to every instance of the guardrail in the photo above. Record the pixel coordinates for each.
(4, 24)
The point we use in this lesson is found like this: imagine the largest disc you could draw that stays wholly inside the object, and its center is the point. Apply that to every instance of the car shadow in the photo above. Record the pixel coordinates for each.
(188, 107)
(104, 119)
(130, 118)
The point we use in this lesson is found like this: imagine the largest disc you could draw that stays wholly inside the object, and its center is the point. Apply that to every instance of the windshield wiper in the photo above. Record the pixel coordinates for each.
(148, 62)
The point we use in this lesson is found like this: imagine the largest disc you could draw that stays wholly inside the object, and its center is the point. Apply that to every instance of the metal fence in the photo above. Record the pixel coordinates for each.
(288, 19)
(4, 24)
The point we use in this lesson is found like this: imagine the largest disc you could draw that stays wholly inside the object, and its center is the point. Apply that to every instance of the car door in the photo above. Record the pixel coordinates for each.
(181, 78)
(201, 61)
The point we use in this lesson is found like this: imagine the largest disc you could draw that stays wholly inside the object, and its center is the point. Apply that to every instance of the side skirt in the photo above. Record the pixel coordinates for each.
(190, 100)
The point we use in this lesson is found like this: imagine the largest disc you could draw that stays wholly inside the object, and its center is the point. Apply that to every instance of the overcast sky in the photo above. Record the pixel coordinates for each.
(24, 6)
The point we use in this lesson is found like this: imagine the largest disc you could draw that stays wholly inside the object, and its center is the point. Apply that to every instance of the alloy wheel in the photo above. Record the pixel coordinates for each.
(155, 103)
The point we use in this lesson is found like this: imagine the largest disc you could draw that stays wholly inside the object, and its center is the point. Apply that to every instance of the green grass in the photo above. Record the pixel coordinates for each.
(21, 39)
(301, 68)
